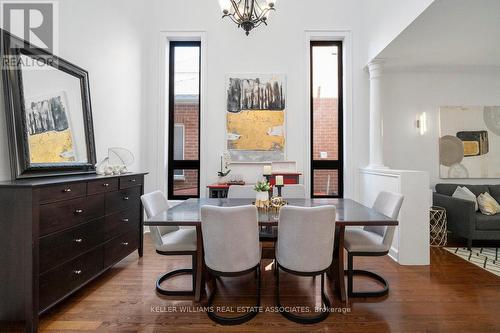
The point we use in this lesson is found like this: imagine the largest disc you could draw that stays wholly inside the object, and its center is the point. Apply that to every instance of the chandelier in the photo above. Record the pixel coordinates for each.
(247, 14)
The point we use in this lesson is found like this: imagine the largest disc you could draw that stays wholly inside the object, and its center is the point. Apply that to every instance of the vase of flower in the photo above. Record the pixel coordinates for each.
(262, 193)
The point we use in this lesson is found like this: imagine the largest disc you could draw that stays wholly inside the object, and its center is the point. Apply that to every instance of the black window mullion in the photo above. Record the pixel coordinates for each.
(328, 164)
(180, 164)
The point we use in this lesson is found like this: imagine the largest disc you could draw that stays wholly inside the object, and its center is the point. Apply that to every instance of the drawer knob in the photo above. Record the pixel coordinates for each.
(67, 190)
(78, 240)
(125, 220)
(125, 243)
(105, 185)
(78, 211)
(77, 272)
(132, 180)
(125, 198)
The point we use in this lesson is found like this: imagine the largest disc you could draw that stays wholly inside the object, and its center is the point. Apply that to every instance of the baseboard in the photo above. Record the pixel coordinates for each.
(393, 254)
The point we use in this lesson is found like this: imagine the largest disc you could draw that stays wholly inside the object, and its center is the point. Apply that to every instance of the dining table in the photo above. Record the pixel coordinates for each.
(349, 213)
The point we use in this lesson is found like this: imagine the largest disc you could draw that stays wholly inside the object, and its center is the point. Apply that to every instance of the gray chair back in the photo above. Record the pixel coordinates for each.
(230, 238)
(241, 192)
(388, 204)
(306, 237)
(295, 191)
(155, 203)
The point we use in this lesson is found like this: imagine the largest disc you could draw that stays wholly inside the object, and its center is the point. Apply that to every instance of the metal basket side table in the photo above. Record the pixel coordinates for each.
(438, 228)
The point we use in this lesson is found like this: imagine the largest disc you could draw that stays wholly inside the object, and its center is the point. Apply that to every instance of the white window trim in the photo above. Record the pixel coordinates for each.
(165, 38)
(350, 174)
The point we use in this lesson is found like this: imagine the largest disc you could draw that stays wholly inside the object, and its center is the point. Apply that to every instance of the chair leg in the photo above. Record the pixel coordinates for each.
(351, 272)
(302, 319)
(165, 277)
(186, 271)
(235, 320)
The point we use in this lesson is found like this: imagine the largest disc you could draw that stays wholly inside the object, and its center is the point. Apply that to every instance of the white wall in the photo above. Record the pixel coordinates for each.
(410, 92)
(105, 38)
(386, 19)
(280, 48)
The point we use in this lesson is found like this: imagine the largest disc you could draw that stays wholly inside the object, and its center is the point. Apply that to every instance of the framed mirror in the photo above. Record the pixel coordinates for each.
(49, 116)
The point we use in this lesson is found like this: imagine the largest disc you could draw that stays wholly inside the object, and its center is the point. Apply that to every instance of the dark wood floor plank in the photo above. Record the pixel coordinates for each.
(451, 295)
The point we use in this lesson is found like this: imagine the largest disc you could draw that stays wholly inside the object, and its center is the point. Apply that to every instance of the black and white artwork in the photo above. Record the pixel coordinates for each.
(256, 92)
(47, 114)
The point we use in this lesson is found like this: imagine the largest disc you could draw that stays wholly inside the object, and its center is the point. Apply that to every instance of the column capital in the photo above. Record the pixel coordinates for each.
(375, 68)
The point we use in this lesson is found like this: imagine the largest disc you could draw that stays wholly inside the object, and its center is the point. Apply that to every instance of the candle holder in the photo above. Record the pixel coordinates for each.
(279, 189)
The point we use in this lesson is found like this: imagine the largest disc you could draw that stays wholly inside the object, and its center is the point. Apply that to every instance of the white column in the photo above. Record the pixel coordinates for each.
(376, 121)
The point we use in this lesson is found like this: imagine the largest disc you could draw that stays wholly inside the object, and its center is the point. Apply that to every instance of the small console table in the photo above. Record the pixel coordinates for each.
(220, 190)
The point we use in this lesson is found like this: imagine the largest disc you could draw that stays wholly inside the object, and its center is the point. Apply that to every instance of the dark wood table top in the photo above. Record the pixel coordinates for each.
(349, 212)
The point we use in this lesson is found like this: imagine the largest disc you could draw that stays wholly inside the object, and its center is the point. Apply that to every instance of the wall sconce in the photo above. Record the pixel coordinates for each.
(422, 123)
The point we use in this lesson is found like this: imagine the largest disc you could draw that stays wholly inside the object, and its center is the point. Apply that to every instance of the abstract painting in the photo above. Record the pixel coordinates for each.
(469, 144)
(50, 138)
(255, 121)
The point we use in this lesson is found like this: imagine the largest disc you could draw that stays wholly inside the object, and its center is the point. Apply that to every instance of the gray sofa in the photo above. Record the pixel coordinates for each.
(463, 221)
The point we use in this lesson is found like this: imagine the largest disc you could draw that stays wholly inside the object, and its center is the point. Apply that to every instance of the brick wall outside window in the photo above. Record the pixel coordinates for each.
(186, 113)
(325, 140)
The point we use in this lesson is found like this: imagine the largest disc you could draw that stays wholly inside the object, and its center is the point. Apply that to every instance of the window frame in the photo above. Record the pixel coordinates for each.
(172, 163)
(338, 164)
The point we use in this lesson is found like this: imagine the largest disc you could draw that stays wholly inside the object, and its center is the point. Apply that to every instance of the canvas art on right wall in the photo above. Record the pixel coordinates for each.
(469, 144)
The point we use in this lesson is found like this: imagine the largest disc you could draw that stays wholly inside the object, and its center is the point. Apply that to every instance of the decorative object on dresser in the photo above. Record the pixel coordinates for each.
(463, 219)
(48, 110)
(116, 162)
(60, 233)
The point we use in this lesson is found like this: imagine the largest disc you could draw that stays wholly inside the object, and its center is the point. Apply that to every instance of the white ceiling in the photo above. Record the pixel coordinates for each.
(449, 33)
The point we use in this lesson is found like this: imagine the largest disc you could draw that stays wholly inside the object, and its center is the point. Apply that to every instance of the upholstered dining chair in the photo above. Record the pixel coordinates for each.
(241, 192)
(293, 191)
(305, 248)
(170, 241)
(231, 245)
(372, 241)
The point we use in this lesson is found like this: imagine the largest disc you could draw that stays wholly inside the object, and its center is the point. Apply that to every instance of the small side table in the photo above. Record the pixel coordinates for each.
(438, 227)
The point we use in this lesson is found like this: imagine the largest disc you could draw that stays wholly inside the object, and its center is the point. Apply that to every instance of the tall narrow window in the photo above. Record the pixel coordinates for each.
(184, 120)
(326, 120)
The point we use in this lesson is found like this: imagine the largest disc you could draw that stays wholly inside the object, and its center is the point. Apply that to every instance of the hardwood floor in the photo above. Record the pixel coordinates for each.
(449, 296)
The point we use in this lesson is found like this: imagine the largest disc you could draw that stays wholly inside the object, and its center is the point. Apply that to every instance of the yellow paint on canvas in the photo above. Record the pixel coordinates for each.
(253, 127)
(50, 147)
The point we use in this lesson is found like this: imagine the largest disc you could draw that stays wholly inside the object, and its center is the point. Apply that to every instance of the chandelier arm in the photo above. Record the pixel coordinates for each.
(236, 7)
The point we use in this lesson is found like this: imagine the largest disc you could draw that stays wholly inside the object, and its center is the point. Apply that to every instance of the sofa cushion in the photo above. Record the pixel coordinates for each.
(495, 192)
(465, 194)
(448, 189)
(485, 222)
(487, 204)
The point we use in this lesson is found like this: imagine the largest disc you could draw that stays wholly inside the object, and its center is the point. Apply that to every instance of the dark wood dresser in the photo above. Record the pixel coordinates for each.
(59, 233)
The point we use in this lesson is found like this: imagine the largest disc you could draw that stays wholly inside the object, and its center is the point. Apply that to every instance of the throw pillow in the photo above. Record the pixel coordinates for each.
(487, 204)
(465, 194)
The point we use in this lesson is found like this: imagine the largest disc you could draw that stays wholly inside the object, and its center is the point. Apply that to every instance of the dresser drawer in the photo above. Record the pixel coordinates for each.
(62, 192)
(120, 247)
(123, 199)
(65, 214)
(130, 181)
(63, 246)
(102, 186)
(63, 279)
(123, 221)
